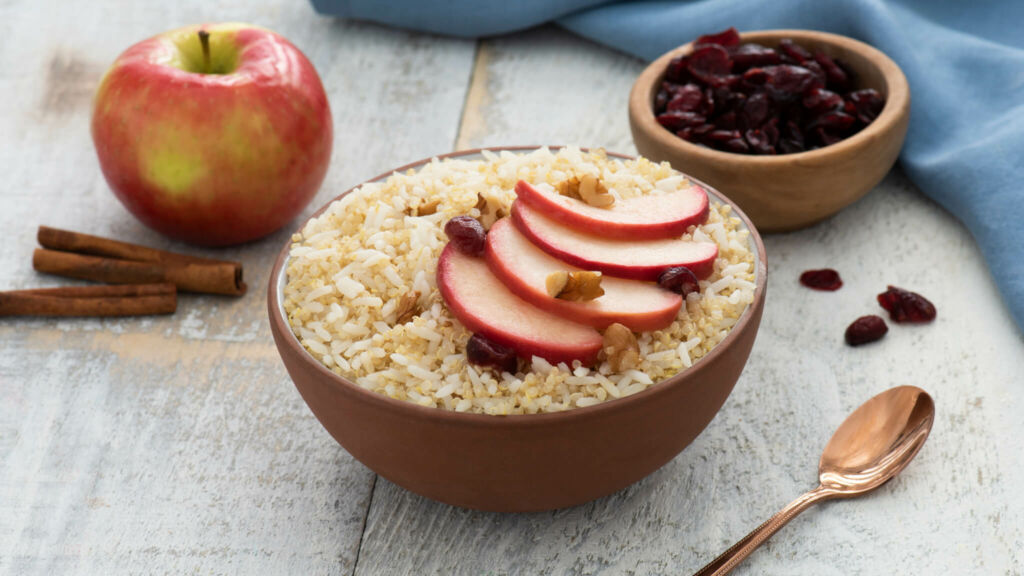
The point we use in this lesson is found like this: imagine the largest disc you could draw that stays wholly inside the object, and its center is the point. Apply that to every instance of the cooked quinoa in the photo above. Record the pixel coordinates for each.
(350, 269)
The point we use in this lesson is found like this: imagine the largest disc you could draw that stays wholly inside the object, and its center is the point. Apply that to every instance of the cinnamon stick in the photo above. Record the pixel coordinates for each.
(135, 300)
(188, 273)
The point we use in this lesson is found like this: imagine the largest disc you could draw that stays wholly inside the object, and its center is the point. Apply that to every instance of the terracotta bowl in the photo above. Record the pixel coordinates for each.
(790, 191)
(524, 462)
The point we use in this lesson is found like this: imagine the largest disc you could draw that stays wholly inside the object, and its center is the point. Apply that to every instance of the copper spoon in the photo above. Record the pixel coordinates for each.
(870, 447)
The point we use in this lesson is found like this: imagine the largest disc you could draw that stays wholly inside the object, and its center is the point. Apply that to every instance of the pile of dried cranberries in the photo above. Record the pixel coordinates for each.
(751, 99)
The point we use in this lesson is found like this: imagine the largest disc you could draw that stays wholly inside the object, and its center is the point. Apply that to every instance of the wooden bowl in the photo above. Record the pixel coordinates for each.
(789, 191)
(523, 462)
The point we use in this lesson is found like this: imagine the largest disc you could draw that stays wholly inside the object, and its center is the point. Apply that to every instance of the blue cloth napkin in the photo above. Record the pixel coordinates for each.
(964, 62)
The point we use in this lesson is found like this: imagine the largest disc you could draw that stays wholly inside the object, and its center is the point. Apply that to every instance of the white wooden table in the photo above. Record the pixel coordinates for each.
(177, 445)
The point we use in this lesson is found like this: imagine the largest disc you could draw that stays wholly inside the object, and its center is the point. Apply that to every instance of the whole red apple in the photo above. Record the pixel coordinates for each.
(213, 134)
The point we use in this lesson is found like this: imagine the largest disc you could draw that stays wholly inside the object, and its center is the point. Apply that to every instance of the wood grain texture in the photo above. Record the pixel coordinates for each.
(957, 509)
(179, 445)
(545, 86)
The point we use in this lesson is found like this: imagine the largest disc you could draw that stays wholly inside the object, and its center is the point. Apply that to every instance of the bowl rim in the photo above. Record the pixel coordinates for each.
(897, 101)
(278, 318)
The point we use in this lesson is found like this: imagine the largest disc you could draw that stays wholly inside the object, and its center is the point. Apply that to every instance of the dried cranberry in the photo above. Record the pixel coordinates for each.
(726, 121)
(679, 279)
(771, 131)
(791, 131)
(749, 55)
(866, 104)
(787, 82)
(729, 37)
(708, 103)
(709, 62)
(703, 129)
(865, 329)
(688, 98)
(794, 51)
(677, 120)
(906, 306)
(833, 121)
(759, 142)
(467, 234)
(755, 111)
(736, 145)
(824, 279)
(836, 76)
(820, 78)
(722, 135)
(825, 137)
(821, 100)
(790, 146)
(755, 77)
(661, 101)
(485, 352)
(676, 71)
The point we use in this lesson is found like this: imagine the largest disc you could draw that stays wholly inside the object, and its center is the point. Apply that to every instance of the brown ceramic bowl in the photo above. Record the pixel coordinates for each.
(524, 462)
(789, 191)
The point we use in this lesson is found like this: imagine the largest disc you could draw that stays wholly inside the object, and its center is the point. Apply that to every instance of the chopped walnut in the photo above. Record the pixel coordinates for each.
(620, 348)
(594, 193)
(481, 203)
(408, 307)
(490, 211)
(587, 189)
(427, 207)
(423, 208)
(575, 286)
(570, 188)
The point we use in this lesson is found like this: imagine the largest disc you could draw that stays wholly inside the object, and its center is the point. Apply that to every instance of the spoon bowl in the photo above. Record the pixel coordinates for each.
(876, 441)
(869, 448)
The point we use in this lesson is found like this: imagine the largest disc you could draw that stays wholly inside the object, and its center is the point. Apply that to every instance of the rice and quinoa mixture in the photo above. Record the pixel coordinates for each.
(350, 269)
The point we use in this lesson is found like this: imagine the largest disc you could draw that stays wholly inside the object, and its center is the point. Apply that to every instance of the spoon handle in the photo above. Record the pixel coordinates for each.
(740, 550)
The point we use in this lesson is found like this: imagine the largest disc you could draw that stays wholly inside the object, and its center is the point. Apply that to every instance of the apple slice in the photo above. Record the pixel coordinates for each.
(639, 259)
(480, 301)
(643, 217)
(524, 268)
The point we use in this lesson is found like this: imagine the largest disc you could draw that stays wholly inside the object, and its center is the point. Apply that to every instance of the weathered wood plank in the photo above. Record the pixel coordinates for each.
(178, 444)
(956, 509)
(548, 87)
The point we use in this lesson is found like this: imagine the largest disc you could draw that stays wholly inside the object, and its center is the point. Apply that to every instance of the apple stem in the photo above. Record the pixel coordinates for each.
(204, 40)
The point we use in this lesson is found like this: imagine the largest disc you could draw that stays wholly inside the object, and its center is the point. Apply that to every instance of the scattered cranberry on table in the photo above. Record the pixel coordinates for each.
(866, 329)
(752, 99)
(467, 234)
(824, 279)
(906, 306)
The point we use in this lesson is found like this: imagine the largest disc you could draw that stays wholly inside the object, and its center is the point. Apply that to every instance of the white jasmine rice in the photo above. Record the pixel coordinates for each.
(350, 268)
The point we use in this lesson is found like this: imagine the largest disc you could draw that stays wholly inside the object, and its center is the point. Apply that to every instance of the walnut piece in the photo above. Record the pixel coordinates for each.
(570, 188)
(575, 286)
(620, 348)
(490, 211)
(587, 189)
(427, 207)
(594, 193)
(423, 208)
(408, 307)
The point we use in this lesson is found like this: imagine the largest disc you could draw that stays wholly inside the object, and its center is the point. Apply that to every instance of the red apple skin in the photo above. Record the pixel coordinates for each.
(213, 159)
(485, 306)
(645, 219)
(523, 217)
(647, 306)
